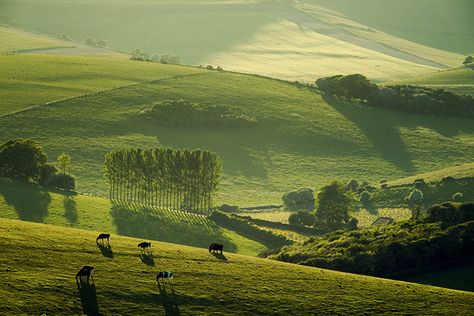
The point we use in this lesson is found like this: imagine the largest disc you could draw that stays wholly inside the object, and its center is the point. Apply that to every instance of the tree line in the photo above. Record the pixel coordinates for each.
(164, 177)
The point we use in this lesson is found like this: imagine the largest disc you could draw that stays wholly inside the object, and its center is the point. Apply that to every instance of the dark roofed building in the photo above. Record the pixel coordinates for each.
(383, 221)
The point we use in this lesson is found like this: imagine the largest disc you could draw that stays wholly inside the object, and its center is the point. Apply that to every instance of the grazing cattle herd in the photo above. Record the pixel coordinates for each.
(85, 273)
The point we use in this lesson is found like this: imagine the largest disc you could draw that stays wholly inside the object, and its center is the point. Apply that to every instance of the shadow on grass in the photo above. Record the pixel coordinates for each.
(30, 201)
(168, 226)
(70, 209)
(219, 256)
(88, 296)
(106, 249)
(148, 259)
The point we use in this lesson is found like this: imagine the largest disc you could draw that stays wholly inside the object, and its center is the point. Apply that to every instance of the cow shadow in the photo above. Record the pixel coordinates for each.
(147, 258)
(88, 295)
(219, 256)
(169, 299)
(106, 249)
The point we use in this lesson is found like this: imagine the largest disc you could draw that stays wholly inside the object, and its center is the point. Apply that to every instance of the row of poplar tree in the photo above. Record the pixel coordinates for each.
(164, 177)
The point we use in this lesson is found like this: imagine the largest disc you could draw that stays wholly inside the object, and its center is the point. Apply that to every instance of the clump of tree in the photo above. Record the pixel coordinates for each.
(25, 160)
(181, 113)
(164, 177)
(334, 205)
(444, 237)
(139, 55)
(302, 199)
(409, 98)
(91, 41)
(468, 61)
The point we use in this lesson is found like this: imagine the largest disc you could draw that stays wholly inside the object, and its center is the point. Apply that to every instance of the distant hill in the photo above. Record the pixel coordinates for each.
(282, 39)
(38, 276)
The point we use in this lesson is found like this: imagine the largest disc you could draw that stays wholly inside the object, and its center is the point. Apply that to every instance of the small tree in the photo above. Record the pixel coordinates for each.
(64, 163)
(333, 207)
(90, 41)
(365, 198)
(101, 43)
(468, 60)
(415, 200)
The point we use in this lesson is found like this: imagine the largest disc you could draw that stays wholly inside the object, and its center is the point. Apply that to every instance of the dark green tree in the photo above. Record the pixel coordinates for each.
(468, 60)
(333, 207)
(22, 159)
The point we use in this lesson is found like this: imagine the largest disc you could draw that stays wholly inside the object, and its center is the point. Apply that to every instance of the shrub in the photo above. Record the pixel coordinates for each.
(352, 185)
(303, 199)
(301, 218)
(46, 171)
(458, 197)
(365, 198)
(90, 41)
(61, 181)
(228, 208)
(419, 184)
(447, 181)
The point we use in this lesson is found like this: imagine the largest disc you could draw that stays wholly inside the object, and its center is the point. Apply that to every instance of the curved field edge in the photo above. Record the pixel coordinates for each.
(33, 203)
(38, 276)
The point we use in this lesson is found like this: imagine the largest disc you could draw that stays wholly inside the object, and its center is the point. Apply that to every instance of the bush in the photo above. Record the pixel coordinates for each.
(419, 184)
(365, 198)
(452, 213)
(301, 218)
(61, 181)
(46, 171)
(90, 41)
(228, 208)
(458, 197)
(447, 181)
(303, 199)
(353, 185)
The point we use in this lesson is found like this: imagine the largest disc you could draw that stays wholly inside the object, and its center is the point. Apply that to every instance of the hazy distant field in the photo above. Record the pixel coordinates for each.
(273, 38)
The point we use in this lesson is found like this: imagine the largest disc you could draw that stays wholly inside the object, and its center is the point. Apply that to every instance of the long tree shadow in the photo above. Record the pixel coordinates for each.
(88, 295)
(169, 226)
(70, 209)
(30, 201)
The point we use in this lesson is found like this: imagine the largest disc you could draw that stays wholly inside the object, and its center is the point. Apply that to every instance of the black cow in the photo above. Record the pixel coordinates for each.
(144, 245)
(85, 272)
(101, 237)
(214, 247)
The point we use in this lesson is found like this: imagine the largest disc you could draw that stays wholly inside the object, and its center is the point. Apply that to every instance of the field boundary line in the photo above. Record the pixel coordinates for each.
(96, 92)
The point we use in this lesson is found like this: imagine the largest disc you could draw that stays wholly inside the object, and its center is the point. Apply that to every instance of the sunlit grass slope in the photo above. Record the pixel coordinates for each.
(39, 262)
(459, 80)
(29, 80)
(459, 171)
(14, 40)
(29, 202)
(301, 140)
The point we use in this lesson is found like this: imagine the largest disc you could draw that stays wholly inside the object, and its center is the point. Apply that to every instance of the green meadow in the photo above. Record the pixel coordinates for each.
(47, 258)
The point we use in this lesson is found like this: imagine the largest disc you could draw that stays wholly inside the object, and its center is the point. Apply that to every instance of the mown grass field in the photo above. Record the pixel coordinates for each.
(39, 262)
(301, 139)
(30, 80)
(458, 80)
(32, 203)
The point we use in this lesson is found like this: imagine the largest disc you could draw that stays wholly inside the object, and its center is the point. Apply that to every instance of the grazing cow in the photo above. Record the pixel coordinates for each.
(144, 245)
(86, 271)
(102, 237)
(164, 276)
(214, 247)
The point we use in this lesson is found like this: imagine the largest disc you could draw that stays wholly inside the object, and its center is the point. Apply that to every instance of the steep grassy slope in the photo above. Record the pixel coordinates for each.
(32, 203)
(273, 38)
(459, 80)
(38, 277)
(29, 80)
(300, 140)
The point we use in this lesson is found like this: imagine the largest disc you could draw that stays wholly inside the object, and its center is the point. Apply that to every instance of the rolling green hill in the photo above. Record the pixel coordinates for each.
(31, 80)
(15, 40)
(459, 80)
(33, 203)
(281, 39)
(300, 139)
(38, 277)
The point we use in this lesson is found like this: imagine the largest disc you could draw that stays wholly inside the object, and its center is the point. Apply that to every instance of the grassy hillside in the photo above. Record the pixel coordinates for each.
(29, 80)
(14, 40)
(459, 80)
(459, 171)
(32, 203)
(38, 277)
(443, 24)
(273, 38)
(300, 139)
